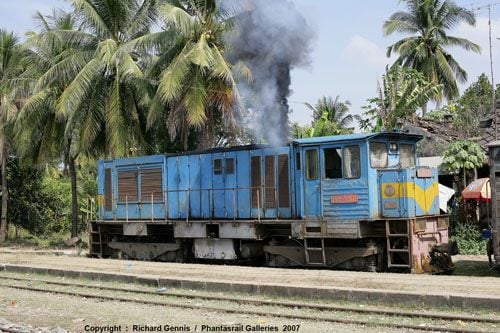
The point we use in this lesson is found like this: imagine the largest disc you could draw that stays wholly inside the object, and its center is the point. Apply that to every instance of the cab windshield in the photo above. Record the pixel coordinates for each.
(382, 155)
(407, 155)
(378, 154)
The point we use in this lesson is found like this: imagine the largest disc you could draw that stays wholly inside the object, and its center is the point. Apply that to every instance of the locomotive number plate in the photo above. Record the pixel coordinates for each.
(344, 198)
(424, 173)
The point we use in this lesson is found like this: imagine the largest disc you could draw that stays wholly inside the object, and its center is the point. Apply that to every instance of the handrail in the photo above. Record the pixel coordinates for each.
(152, 208)
(234, 206)
(164, 199)
(258, 206)
(126, 207)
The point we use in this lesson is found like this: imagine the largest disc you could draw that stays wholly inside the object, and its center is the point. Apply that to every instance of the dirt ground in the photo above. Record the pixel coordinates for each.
(55, 311)
(481, 286)
(52, 313)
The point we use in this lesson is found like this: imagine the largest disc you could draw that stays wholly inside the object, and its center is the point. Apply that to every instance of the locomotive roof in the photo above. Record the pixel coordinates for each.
(351, 137)
(315, 140)
(225, 149)
(322, 139)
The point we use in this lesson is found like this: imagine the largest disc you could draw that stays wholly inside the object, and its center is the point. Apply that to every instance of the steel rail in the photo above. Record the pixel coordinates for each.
(244, 311)
(242, 300)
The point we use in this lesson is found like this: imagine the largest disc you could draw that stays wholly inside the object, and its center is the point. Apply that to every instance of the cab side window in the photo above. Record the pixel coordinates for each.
(352, 163)
(311, 164)
(333, 163)
(407, 155)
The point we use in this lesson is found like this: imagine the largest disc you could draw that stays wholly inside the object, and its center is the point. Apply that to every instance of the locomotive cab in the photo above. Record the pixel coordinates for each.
(365, 177)
(368, 187)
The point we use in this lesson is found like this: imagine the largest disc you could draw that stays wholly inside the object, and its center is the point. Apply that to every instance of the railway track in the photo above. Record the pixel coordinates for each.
(322, 312)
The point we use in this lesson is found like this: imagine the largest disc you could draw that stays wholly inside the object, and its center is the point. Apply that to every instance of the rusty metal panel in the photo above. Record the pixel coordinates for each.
(151, 183)
(256, 182)
(283, 182)
(127, 186)
(270, 181)
(190, 230)
(238, 231)
(108, 190)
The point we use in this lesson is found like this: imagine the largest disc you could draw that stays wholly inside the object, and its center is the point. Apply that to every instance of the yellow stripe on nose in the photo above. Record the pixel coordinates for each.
(424, 198)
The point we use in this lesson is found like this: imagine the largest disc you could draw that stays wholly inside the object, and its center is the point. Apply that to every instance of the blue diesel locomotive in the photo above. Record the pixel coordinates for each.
(349, 201)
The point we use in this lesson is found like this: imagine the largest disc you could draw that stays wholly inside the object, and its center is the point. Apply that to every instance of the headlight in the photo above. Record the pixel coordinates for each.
(389, 190)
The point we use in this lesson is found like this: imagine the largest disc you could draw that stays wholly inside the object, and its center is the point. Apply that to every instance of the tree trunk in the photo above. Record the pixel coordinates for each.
(424, 110)
(74, 198)
(5, 197)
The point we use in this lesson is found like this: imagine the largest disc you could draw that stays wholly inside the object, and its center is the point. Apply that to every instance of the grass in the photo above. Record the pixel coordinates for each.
(474, 268)
(41, 242)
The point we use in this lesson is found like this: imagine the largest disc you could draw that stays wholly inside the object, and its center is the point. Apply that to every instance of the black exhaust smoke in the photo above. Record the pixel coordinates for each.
(272, 38)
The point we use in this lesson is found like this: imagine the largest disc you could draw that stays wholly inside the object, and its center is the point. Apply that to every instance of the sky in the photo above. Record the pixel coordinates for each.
(348, 53)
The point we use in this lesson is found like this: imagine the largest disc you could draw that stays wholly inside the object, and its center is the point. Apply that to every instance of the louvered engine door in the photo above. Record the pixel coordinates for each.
(152, 204)
(128, 193)
(270, 196)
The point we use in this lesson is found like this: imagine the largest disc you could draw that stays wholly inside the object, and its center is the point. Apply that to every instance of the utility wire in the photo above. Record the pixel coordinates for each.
(487, 6)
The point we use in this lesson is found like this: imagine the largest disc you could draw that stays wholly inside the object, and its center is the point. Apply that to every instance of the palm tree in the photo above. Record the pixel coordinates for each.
(196, 81)
(428, 22)
(10, 55)
(91, 87)
(39, 133)
(106, 94)
(334, 111)
(84, 96)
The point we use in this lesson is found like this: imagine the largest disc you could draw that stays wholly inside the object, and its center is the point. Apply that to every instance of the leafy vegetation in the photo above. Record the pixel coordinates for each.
(462, 156)
(330, 117)
(474, 105)
(402, 92)
(468, 238)
(196, 81)
(10, 55)
(37, 203)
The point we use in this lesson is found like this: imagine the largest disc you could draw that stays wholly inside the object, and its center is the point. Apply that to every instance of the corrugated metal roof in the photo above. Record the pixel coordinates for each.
(493, 144)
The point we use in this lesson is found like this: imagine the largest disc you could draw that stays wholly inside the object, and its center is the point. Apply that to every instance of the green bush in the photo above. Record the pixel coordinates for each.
(37, 202)
(468, 238)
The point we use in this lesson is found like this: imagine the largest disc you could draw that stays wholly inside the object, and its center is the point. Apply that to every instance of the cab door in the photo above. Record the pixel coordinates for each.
(312, 182)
